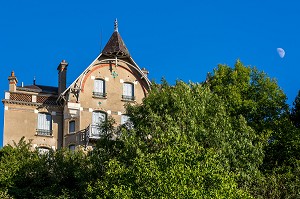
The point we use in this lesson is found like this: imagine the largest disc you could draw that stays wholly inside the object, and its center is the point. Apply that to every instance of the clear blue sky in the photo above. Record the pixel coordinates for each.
(172, 39)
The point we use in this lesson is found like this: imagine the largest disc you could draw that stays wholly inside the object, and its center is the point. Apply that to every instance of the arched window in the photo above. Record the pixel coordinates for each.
(98, 118)
(72, 126)
(128, 91)
(44, 126)
(99, 88)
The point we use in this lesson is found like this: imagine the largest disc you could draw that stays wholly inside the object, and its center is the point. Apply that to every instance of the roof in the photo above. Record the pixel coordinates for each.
(39, 88)
(116, 46)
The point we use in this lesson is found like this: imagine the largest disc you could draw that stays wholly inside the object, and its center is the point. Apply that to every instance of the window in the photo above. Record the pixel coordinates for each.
(72, 127)
(128, 91)
(72, 147)
(43, 150)
(44, 126)
(99, 88)
(125, 121)
(97, 119)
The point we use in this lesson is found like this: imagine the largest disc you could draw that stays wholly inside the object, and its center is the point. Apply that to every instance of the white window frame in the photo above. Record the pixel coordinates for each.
(128, 91)
(44, 124)
(99, 88)
(98, 117)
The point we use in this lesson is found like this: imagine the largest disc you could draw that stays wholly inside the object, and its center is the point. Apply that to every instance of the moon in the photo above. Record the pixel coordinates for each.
(280, 52)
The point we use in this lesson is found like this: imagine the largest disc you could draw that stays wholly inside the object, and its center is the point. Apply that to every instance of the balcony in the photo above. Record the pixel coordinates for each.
(99, 95)
(128, 97)
(94, 131)
(43, 132)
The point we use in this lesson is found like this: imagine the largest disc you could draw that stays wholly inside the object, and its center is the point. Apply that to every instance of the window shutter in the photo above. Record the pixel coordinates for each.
(127, 89)
(99, 85)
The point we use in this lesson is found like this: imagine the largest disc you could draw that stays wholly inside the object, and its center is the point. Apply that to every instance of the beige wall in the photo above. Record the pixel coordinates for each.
(21, 120)
(112, 104)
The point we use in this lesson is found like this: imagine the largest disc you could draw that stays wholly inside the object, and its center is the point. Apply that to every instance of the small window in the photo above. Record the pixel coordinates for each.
(72, 147)
(72, 126)
(128, 91)
(44, 126)
(99, 88)
(97, 119)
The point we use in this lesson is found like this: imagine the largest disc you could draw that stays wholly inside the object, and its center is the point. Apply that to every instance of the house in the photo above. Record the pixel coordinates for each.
(55, 117)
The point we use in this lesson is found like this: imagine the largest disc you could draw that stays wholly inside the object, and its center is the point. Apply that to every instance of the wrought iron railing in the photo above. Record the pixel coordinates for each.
(128, 97)
(44, 132)
(99, 94)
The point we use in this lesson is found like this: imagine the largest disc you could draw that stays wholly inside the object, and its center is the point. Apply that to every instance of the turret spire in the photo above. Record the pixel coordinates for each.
(115, 47)
(116, 25)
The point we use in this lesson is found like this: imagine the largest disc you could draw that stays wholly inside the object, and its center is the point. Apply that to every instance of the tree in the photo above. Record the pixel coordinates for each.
(295, 113)
(252, 94)
(184, 144)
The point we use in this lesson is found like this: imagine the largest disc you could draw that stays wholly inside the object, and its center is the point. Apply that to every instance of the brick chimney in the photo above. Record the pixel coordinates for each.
(62, 76)
(12, 82)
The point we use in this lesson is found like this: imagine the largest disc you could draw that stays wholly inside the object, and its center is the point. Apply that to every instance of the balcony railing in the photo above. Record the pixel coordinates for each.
(94, 131)
(128, 97)
(44, 132)
(99, 94)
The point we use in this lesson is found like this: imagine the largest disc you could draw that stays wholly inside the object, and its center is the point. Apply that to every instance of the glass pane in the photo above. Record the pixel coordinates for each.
(71, 126)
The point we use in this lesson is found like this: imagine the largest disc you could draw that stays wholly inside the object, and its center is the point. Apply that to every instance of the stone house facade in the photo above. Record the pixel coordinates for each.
(55, 117)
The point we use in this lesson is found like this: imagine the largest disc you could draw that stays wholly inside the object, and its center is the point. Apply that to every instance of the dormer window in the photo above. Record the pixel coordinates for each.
(128, 91)
(99, 88)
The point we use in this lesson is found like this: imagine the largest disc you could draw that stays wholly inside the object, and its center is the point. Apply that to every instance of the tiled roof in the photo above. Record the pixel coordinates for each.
(116, 46)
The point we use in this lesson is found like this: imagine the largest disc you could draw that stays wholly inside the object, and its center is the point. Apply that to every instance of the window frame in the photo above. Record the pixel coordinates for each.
(69, 130)
(128, 94)
(94, 127)
(44, 125)
(98, 92)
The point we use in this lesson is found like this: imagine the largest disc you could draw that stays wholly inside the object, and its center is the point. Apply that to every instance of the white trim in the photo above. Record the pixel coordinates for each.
(6, 108)
(92, 77)
(106, 79)
(119, 113)
(35, 111)
(121, 81)
(108, 112)
(7, 95)
(90, 110)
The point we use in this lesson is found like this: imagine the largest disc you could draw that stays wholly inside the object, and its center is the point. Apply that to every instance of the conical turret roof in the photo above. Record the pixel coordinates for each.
(116, 46)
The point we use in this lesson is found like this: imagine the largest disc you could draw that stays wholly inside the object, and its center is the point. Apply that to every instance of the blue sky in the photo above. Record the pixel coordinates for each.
(172, 39)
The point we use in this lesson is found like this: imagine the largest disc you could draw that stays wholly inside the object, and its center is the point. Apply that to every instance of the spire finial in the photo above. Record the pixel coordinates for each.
(116, 25)
(33, 80)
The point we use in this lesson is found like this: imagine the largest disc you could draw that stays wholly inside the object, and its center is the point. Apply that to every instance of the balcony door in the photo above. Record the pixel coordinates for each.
(97, 119)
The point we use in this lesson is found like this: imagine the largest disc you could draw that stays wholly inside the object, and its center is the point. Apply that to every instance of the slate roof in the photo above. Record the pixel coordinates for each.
(116, 46)
(39, 88)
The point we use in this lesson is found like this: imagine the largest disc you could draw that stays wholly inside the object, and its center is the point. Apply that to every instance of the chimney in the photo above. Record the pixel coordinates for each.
(12, 82)
(62, 76)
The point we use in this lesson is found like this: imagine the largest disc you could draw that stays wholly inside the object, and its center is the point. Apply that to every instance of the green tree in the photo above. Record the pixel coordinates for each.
(252, 94)
(184, 144)
(295, 113)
